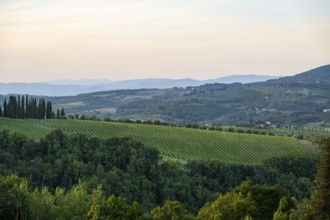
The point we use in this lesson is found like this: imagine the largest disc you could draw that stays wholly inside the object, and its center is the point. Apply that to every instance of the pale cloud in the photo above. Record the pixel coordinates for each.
(121, 39)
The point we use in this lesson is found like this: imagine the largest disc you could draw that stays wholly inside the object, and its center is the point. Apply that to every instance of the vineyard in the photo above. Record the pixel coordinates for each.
(174, 142)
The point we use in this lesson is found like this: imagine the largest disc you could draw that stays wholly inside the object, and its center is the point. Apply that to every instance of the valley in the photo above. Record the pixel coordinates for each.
(297, 101)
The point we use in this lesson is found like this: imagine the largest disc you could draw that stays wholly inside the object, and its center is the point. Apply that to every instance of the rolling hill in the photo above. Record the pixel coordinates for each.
(174, 142)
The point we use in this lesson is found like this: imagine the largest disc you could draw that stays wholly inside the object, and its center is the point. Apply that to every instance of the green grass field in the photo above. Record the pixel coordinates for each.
(174, 142)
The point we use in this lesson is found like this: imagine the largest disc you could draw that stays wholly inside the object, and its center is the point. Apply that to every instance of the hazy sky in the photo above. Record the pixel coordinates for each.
(44, 40)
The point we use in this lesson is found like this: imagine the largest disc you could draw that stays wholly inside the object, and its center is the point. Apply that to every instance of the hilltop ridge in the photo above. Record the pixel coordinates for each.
(317, 75)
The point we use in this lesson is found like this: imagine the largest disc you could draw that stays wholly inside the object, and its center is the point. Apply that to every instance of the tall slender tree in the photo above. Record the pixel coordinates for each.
(18, 113)
(23, 108)
(42, 108)
(49, 111)
(321, 197)
(0, 111)
(35, 108)
(27, 109)
(12, 107)
(5, 108)
(62, 112)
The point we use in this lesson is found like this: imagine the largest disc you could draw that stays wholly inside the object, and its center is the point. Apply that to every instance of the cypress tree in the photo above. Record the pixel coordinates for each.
(31, 108)
(18, 113)
(35, 108)
(14, 103)
(62, 112)
(49, 111)
(40, 112)
(58, 114)
(27, 109)
(22, 108)
(5, 108)
(12, 107)
(43, 107)
(321, 198)
(0, 111)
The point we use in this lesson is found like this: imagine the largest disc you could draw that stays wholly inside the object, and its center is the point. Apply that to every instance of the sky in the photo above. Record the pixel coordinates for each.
(44, 40)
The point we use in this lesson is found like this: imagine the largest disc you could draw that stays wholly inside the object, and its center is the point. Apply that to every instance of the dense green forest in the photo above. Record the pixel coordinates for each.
(60, 176)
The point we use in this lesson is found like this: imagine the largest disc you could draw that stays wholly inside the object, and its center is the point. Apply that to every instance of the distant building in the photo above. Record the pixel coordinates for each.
(326, 110)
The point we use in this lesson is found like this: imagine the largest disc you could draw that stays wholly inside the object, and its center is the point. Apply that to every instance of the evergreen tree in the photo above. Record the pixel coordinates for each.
(62, 112)
(18, 113)
(27, 109)
(39, 110)
(49, 111)
(0, 111)
(58, 114)
(42, 109)
(321, 197)
(34, 108)
(31, 109)
(5, 108)
(23, 108)
(12, 107)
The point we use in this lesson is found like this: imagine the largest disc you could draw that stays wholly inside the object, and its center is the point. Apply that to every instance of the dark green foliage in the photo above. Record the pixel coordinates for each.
(22, 115)
(127, 168)
(42, 108)
(18, 201)
(231, 130)
(11, 109)
(49, 112)
(14, 197)
(294, 164)
(266, 198)
(321, 196)
(285, 210)
(256, 201)
(62, 113)
(173, 210)
(116, 208)
(5, 108)
(232, 206)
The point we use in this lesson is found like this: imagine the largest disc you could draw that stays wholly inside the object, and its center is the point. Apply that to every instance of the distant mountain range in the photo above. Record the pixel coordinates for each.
(74, 87)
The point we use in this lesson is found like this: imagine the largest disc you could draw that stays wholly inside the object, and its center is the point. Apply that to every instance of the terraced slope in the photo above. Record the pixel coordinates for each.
(180, 143)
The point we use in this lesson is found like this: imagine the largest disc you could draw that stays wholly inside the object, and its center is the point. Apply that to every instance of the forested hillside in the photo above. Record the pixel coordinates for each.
(291, 101)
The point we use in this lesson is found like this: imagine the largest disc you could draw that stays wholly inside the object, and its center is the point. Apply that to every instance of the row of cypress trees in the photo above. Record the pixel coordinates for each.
(25, 107)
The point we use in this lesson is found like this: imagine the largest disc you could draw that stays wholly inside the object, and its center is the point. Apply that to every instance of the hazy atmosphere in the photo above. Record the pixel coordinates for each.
(129, 39)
